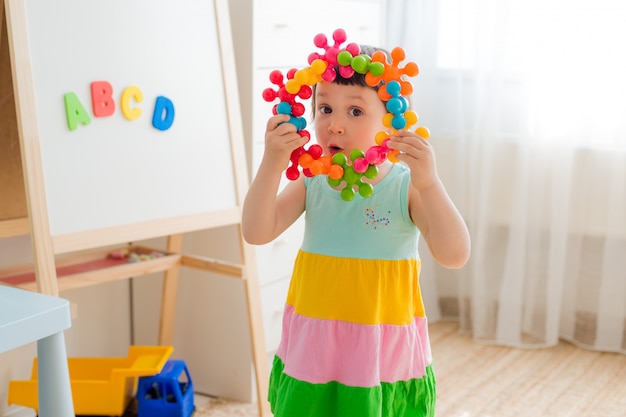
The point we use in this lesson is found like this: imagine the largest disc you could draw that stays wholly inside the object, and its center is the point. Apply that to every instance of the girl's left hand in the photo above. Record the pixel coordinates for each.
(418, 155)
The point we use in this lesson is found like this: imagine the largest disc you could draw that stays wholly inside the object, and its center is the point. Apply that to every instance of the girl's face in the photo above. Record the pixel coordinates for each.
(347, 117)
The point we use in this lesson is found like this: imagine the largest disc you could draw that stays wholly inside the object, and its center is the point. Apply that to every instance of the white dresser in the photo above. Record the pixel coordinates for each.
(278, 35)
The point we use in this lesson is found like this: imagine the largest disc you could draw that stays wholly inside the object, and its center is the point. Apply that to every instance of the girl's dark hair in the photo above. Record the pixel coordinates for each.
(355, 79)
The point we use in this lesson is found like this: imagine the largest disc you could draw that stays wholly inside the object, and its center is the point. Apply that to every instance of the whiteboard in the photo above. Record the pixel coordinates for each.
(116, 171)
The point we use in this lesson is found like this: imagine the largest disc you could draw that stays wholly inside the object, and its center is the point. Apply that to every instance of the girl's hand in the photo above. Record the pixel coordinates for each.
(418, 155)
(281, 139)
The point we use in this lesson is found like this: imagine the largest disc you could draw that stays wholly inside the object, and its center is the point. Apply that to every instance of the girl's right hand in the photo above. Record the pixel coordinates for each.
(281, 139)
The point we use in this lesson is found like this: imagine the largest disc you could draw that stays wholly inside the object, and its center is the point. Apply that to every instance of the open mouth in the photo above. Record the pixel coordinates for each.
(333, 149)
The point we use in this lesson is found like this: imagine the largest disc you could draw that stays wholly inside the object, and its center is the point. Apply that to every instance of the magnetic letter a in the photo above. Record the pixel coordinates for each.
(75, 112)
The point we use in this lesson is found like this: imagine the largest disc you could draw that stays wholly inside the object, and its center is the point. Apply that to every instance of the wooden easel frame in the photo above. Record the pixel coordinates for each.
(45, 246)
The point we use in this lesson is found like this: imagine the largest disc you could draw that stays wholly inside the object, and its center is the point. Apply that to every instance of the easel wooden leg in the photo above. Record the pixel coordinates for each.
(170, 289)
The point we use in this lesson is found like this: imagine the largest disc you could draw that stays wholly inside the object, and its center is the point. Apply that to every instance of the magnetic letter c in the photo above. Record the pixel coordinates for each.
(128, 93)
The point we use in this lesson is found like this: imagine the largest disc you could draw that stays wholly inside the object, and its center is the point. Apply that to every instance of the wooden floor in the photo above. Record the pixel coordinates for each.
(475, 380)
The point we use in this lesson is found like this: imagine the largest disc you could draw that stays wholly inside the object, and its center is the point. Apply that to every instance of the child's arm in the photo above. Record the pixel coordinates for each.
(430, 206)
(265, 214)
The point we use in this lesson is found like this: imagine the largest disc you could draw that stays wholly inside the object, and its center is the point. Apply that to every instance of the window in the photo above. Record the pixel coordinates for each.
(568, 56)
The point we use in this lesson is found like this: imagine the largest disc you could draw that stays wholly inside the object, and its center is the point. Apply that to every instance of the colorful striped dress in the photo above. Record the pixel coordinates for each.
(355, 336)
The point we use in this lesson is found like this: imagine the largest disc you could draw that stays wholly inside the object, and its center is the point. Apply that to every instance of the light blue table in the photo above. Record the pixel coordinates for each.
(27, 316)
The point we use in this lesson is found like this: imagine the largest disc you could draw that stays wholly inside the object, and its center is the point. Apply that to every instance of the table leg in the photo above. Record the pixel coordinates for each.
(55, 393)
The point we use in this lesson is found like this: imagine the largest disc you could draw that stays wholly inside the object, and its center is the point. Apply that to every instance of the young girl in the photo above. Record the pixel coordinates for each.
(355, 336)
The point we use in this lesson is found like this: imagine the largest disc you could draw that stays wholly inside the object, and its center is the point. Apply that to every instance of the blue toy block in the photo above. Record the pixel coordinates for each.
(167, 394)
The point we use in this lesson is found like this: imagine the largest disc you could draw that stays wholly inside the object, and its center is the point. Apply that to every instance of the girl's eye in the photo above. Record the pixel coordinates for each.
(325, 109)
(356, 112)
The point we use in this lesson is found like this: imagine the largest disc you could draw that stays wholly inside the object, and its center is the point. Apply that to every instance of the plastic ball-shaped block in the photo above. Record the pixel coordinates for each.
(393, 156)
(335, 172)
(297, 153)
(346, 72)
(383, 95)
(298, 122)
(393, 88)
(316, 167)
(305, 160)
(398, 122)
(354, 49)
(372, 172)
(293, 86)
(361, 63)
(297, 109)
(292, 173)
(347, 194)
(285, 95)
(387, 119)
(318, 66)
(375, 155)
(405, 104)
(320, 40)
(411, 117)
(305, 92)
(396, 105)
(360, 165)
(301, 76)
(340, 159)
(385, 143)
(377, 69)
(356, 154)
(339, 35)
(305, 77)
(423, 132)
(344, 58)
(276, 77)
(326, 161)
(331, 55)
(366, 189)
(411, 69)
(350, 175)
(380, 137)
(407, 88)
(329, 75)
(398, 54)
(307, 172)
(269, 95)
(334, 182)
(283, 108)
(313, 56)
(315, 151)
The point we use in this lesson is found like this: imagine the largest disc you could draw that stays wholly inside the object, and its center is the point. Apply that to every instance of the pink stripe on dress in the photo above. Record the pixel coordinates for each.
(398, 353)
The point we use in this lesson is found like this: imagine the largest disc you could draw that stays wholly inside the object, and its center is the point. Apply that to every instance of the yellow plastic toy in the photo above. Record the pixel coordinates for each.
(100, 386)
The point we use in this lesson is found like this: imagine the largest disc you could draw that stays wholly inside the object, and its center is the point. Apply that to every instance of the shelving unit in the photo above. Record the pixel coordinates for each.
(93, 268)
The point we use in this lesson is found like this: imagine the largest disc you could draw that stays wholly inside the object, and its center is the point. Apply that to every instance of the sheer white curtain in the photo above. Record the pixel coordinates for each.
(526, 103)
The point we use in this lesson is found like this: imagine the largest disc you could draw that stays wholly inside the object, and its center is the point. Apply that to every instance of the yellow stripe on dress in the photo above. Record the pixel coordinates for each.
(361, 291)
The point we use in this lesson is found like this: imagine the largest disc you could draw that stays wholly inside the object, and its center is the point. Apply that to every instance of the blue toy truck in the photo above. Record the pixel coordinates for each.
(167, 394)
